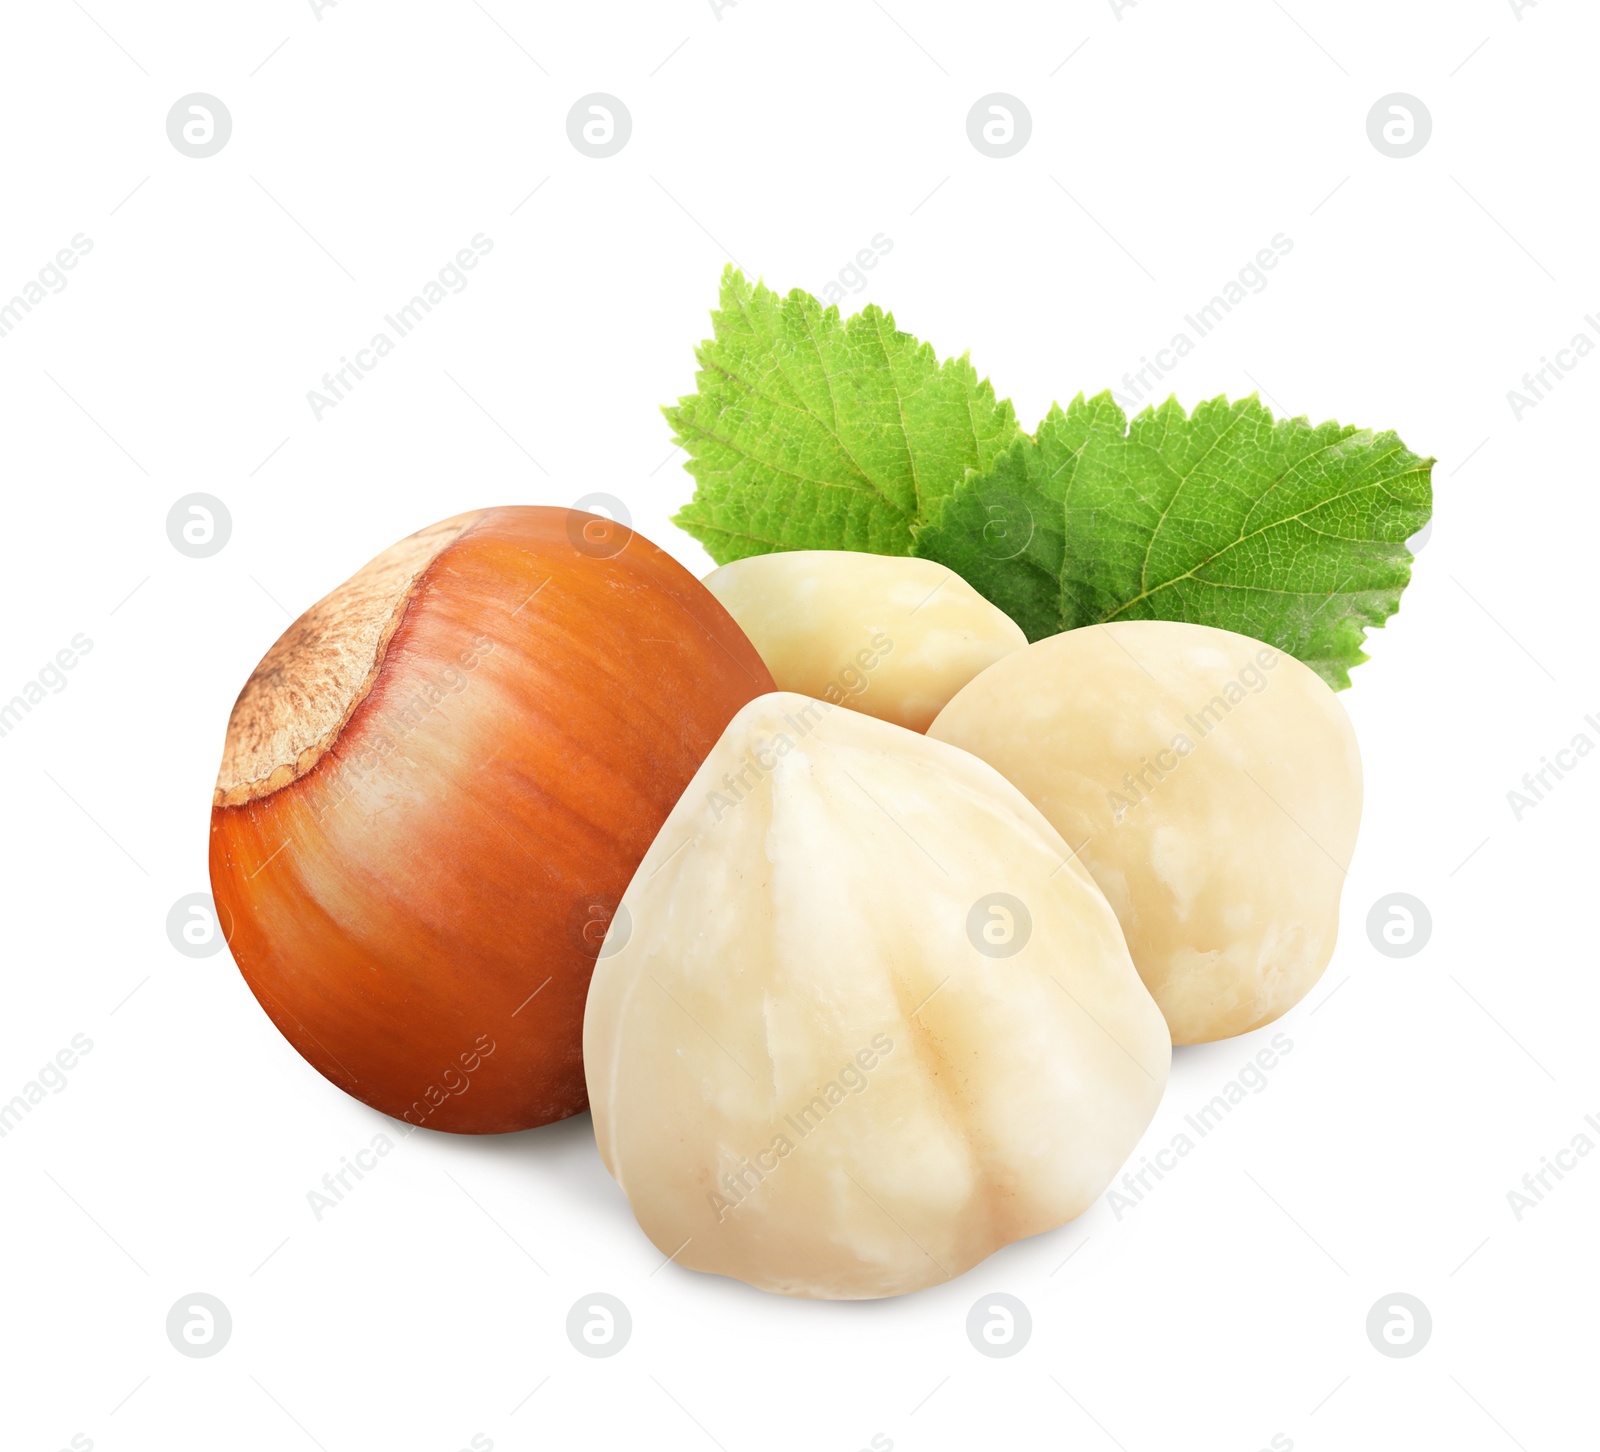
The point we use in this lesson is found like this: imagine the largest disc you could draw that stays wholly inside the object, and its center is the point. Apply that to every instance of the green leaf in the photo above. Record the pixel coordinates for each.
(1005, 531)
(1274, 528)
(810, 432)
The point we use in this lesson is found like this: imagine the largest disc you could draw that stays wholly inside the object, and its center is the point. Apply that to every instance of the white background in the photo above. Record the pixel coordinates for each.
(369, 145)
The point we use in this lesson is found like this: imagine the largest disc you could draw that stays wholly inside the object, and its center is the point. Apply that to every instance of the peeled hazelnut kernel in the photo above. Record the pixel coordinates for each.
(889, 636)
(1212, 785)
(864, 1021)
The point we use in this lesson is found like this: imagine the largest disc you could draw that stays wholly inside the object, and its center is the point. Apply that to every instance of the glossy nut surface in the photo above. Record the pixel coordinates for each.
(866, 1022)
(435, 789)
(1210, 783)
(890, 636)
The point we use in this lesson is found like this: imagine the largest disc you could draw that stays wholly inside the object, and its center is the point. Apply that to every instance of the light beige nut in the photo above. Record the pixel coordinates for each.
(890, 636)
(861, 1020)
(1210, 783)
